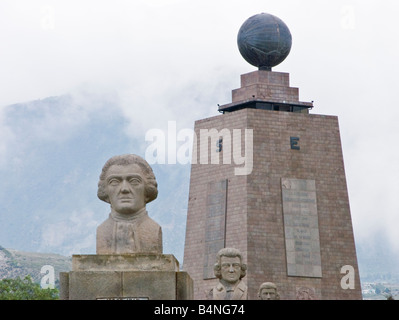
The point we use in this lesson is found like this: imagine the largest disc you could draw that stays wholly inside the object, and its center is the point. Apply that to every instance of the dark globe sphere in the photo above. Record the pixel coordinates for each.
(264, 41)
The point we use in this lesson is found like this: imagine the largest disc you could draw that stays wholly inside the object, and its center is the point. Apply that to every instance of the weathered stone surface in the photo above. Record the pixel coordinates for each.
(229, 269)
(184, 286)
(91, 285)
(64, 285)
(215, 225)
(125, 262)
(128, 183)
(155, 286)
(268, 291)
(301, 227)
(118, 285)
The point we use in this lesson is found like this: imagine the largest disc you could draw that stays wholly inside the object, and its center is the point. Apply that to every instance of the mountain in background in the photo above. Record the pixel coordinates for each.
(14, 264)
(54, 156)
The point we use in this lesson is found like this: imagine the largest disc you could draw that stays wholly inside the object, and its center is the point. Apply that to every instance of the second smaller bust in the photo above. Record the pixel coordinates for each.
(127, 183)
(230, 269)
(268, 291)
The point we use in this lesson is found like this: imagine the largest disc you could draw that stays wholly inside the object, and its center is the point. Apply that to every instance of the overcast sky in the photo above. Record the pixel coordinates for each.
(161, 59)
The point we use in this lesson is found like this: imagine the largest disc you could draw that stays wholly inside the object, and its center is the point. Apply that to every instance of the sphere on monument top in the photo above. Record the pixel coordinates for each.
(264, 41)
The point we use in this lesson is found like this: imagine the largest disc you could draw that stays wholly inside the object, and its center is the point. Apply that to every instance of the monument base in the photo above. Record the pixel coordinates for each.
(125, 277)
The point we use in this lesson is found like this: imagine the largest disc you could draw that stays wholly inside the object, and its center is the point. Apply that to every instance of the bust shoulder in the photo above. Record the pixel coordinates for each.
(106, 226)
(150, 235)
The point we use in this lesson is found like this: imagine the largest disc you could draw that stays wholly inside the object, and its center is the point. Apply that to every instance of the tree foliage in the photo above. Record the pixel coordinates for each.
(25, 289)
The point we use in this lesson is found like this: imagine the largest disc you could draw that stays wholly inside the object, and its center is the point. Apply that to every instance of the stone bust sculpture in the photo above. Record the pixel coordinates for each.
(268, 291)
(230, 269)
(127, 183)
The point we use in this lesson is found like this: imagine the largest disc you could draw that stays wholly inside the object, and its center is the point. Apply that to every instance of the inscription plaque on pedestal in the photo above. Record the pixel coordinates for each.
(301, 228)
(215, 227)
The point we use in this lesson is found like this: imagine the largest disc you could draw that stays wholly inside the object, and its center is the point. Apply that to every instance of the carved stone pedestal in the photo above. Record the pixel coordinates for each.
(125, 277)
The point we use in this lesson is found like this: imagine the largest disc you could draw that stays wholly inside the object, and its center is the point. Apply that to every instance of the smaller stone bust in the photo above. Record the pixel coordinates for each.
(230, 269)
(268, 291)
(127, 183)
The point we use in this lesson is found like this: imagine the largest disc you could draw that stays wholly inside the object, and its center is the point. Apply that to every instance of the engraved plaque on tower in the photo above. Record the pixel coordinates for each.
(301, 228)
(215, 227)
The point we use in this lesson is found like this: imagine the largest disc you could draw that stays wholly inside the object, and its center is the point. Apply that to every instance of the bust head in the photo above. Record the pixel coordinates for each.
(268, 291)
(128, 183)
(229, 266)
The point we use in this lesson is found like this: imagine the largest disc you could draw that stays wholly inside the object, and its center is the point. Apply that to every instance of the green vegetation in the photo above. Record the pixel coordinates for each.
(25, 289)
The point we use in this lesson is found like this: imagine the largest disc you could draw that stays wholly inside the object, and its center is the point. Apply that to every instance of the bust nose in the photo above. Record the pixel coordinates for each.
(124, 187)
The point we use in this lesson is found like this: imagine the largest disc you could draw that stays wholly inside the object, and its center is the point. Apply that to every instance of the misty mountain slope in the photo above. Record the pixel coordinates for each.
(48, 194)
(15, 264)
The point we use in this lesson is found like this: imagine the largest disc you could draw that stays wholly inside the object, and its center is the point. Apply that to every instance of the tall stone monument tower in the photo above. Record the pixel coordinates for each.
(268, 179)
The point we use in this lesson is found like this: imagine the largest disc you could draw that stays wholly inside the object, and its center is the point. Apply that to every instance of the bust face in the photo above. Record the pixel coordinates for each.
(230, 268)
(125, 187)
(268, 294)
